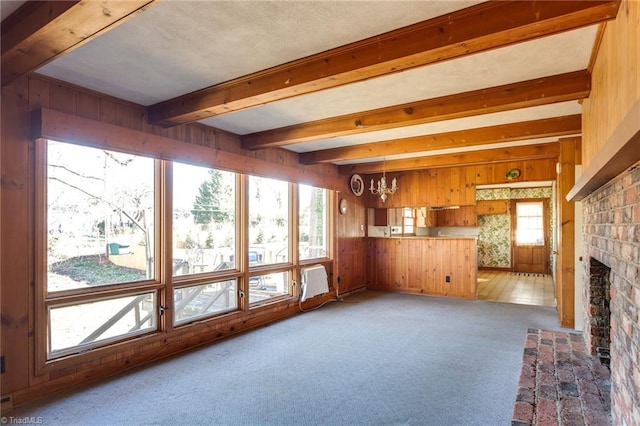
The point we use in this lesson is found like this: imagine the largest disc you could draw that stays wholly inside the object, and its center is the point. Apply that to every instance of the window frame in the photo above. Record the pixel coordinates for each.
(164, 283)
(292, 248)
(327, 227)
(46, 300)
(412, 217)
(541, 217)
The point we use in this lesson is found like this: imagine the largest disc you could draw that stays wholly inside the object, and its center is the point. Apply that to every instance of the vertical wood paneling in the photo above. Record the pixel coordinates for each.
(410, 189)
(38, 94)
(124, 115)
(565, 275)
(615, 81)
(469, 185)
(16, 246)
(415, 273)
(108, 111)
(421, 188)
(88, 106)
(439, 267)
(420, 265)
(455, 184)
(350, 249)
(444, 186)
(63, 98)
(464, 216)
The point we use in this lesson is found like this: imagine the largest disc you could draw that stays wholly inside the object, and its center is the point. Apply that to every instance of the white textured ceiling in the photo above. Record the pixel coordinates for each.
(524, 61)
(177, 47)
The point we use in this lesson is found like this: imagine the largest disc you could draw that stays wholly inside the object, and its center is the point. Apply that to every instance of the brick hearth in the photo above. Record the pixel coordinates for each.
(560, 383)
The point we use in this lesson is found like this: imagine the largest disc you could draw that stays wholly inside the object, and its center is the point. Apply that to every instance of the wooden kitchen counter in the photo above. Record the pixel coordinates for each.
(440, 266)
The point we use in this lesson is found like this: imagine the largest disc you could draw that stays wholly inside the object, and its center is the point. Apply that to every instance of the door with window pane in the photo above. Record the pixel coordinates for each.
(530, 235)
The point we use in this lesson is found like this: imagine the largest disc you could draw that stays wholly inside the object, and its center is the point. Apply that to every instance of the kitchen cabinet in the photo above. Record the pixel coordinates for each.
(485, 207)
(446, 187)
(380, 217)
(463, 216)
(387, 217)
(456, 185)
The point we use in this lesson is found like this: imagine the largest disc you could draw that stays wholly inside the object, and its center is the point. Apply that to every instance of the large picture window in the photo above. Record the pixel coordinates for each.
(113, 257)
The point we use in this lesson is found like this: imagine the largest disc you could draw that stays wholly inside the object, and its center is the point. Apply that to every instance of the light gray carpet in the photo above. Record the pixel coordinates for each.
(374, 359)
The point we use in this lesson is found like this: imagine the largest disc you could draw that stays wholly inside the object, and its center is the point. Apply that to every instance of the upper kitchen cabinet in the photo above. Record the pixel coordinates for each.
(485, 207)
(387, 217)
(380, 217)
(446, 187)
(455, 186)
(463, 216)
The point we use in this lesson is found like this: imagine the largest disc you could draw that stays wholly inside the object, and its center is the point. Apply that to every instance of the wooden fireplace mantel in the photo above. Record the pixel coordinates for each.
(621, 151)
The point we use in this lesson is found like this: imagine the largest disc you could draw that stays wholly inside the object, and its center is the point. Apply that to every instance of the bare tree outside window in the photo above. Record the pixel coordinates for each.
(100, 231)
(100, 218)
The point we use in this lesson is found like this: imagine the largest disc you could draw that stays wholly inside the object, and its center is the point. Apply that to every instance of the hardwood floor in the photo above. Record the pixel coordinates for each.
(515, 287)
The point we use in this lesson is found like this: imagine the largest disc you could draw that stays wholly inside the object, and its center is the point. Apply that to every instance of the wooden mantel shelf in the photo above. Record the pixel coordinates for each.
(620, 152)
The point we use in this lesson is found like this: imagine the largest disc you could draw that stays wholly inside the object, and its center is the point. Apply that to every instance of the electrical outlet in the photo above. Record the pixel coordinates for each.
(447, 279)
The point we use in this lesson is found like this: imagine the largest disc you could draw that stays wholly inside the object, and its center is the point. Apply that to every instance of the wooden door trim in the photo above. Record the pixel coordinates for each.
(546, 226)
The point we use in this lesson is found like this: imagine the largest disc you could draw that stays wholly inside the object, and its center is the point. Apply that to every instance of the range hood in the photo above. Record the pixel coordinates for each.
(444, 207)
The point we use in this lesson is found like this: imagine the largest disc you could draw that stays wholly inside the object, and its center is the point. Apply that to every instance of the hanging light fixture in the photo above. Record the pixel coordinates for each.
(382, 190)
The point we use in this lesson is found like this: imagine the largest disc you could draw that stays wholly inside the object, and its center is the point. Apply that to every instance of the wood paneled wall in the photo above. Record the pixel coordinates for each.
(17, 216)
(57, 96)
(421, 265)
(351, 244)
(453, 186)
(615, 81)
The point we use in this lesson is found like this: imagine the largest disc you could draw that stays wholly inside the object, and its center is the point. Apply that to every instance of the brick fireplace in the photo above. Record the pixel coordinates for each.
(612, 258)
(597, 298)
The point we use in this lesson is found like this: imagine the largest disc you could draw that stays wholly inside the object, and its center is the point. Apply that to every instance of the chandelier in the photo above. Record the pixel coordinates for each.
(382, 190)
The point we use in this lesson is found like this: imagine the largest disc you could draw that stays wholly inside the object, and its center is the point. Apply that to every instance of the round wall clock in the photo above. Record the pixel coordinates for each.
(357, 185)
(343, 206)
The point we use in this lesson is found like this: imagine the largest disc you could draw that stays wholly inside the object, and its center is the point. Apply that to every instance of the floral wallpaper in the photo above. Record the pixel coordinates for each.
(494, 241)
(493, 194)
(517, 193)
(494, 233)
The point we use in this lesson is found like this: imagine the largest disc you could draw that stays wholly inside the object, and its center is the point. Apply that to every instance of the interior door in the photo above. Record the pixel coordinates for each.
(530, 235)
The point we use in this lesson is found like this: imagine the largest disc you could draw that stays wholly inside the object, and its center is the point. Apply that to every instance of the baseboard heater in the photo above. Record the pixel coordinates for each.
(314, 282)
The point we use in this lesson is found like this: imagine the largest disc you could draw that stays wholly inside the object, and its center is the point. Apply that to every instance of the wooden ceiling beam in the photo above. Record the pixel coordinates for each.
(542, 91)
(475, 29)
(40, 31)
(534, 129)
(469, 158)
